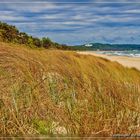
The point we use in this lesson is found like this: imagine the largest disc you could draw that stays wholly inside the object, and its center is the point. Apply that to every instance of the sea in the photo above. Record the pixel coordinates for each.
(130, 53)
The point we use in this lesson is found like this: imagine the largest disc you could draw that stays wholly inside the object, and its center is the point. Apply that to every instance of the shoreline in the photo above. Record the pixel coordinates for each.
(131, 62)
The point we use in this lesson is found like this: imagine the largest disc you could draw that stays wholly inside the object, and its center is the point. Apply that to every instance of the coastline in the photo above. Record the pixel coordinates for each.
(124, 60)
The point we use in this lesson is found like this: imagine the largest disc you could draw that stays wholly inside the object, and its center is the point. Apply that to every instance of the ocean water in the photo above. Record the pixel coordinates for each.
(133, 53)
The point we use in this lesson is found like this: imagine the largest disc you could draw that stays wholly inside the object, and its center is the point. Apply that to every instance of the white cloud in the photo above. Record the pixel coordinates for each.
(133, 11)
(84, 22)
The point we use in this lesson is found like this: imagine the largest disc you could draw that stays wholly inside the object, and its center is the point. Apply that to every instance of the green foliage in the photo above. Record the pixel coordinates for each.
(9, 33)
(42, 126)
(46, 42)
(109, 47)
(30, 41)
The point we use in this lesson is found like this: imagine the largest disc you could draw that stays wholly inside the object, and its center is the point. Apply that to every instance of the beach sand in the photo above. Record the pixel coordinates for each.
(124, 60)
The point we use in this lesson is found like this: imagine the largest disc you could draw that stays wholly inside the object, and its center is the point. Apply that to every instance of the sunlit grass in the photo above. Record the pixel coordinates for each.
(49, 92)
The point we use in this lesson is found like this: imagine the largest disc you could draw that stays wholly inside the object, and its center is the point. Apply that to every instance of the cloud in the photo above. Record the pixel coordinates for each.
(72, 23)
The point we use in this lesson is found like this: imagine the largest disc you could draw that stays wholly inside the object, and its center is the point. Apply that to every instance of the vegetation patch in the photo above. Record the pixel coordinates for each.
(51, 92)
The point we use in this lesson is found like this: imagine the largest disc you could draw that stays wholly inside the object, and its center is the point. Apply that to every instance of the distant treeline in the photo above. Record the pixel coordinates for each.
(112, 47)
(9, 33)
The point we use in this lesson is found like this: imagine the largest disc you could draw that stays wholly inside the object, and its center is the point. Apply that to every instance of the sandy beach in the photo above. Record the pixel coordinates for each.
(126, 61)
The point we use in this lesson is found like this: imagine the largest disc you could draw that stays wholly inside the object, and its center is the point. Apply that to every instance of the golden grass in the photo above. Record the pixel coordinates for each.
(48, 92)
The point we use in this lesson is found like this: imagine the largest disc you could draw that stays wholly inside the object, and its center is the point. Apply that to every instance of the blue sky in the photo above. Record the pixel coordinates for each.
(76, 21)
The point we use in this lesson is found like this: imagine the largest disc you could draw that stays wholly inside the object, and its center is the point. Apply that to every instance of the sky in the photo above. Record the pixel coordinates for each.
(76, 21)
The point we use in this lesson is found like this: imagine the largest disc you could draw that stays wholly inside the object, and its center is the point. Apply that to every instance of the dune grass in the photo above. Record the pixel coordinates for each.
(51, 92)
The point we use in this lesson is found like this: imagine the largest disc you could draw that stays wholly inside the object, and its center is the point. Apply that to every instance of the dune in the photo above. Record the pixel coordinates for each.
(53, 92)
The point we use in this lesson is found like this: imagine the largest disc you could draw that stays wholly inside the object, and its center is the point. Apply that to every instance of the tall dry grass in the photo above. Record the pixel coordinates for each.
(50, 92)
